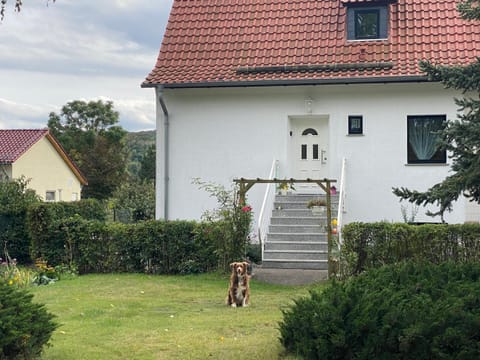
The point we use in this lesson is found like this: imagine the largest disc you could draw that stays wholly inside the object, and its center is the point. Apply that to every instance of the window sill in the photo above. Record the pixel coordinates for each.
(428, 164)
(366, 40)
(354, 135)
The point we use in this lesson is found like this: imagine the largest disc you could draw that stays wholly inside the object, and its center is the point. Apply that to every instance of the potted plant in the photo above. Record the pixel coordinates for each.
(284, 187)
(317, 206)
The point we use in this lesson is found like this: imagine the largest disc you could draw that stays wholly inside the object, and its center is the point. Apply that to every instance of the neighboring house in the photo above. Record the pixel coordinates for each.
(37, 155)
(307, 83)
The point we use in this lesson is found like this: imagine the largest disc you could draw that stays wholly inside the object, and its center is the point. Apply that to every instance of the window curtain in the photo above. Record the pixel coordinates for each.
(423, 137)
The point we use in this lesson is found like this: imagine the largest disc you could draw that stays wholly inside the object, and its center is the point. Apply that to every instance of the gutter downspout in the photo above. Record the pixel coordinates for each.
(166, 151)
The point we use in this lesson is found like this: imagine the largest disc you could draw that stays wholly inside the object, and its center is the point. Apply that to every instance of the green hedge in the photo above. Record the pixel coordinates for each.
(405, 311)
(156, 247)
(44, 225)
(15, 198)
(372, 245)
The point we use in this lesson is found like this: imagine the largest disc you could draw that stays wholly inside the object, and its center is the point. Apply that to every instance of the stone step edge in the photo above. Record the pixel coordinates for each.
(297, 242)
(295, 233)
(295, 225)
(297, 251)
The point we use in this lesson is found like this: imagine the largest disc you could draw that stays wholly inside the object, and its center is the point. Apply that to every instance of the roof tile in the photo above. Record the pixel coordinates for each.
(14, 143)
(207, 41)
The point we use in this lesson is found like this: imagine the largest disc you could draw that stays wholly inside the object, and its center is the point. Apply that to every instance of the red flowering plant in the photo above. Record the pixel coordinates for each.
(246, 208)
(232, 220)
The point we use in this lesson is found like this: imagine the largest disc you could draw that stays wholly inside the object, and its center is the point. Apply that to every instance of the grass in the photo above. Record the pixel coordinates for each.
(134, 316)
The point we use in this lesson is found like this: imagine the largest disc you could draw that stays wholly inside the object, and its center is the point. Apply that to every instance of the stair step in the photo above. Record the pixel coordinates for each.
(281, 205)
(297, 245)
(306, 213)
(294, 264)
(279, 220)
(294, 237)
(305, 197)
(296, 255)
(298, 229)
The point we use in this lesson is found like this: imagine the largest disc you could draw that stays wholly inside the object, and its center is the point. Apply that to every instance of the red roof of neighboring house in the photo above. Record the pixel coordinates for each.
(15, 143)
(230, 42)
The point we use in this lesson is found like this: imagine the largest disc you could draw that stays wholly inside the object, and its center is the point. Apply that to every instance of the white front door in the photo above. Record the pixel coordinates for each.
(309, 150)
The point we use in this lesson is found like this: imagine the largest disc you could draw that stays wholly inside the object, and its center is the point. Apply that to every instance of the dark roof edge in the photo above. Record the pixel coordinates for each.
(257, 83)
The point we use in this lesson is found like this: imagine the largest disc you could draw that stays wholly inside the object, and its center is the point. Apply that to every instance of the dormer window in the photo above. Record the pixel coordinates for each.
(367, 22)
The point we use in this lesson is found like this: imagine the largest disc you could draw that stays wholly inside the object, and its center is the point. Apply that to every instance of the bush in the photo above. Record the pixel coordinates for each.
(44, 224)
(15, 198)
(230, 223)
(154, 247)
(372, 245)
(25, 327)
(404, 311)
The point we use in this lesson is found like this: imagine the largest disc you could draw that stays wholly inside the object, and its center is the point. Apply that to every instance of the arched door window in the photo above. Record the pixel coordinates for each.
(309, 131)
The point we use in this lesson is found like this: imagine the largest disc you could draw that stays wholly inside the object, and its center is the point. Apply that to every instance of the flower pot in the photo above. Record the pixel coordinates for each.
(318, 210)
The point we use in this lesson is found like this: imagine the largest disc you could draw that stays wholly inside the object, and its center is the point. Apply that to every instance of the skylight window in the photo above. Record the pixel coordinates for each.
(367, 23)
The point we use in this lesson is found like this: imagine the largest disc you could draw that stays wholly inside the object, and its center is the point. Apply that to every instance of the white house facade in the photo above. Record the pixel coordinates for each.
(313, 90)
(218, 135)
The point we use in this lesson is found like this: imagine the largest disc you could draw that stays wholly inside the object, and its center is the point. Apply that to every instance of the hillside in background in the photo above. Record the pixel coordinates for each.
(138, 144)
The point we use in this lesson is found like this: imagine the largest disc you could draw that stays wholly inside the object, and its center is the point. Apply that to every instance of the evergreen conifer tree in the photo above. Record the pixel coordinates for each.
(461, 137)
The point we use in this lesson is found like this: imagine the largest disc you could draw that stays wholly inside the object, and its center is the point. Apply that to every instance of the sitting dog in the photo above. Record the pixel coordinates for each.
(239, 290)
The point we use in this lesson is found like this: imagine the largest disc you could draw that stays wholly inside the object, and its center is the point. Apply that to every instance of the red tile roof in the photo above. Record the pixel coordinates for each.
(15, 143)
(228, 42)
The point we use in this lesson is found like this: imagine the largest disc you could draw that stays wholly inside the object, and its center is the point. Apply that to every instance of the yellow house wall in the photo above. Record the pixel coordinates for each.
(47, 171)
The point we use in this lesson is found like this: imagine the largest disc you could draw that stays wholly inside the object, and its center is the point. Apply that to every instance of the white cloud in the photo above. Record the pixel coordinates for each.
(22, 116)
(74, 49)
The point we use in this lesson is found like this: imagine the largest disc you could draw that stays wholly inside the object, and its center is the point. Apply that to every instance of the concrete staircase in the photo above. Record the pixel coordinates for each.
(297, 239)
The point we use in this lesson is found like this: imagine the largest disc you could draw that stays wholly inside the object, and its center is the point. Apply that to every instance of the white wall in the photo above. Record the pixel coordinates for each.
(222, 134)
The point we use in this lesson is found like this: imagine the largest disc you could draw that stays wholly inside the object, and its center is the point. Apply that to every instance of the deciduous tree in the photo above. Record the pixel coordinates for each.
(89, 134)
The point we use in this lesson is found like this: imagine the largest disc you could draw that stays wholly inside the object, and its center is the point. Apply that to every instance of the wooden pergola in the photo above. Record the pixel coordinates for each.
(325, 185)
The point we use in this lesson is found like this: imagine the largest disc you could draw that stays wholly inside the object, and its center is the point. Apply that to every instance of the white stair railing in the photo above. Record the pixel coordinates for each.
(341, 201)
(267, 207)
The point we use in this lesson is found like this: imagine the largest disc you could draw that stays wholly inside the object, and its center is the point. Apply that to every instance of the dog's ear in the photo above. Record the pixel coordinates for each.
(232, 265)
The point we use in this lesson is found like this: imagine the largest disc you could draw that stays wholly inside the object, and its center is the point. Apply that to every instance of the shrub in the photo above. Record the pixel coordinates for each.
(25, 327)
(155, 247)
(134, 201)
(15, 198)
(44, 224)
(231, 221)
(372, 245)
(404, 311)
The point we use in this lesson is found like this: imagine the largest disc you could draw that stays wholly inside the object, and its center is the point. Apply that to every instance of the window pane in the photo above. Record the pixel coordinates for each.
(50, 196)
(309, 131)
(367, 24)
(355, 124)
(304, 152)
(315, 151)
(423, 139)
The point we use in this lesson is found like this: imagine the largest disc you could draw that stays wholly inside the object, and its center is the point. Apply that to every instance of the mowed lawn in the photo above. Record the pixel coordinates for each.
(133, 316)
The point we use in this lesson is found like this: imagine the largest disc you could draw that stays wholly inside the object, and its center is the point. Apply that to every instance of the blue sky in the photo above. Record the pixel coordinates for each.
(79, 50)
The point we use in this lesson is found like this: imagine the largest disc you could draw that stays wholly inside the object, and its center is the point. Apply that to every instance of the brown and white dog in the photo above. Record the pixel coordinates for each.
(239, 289)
